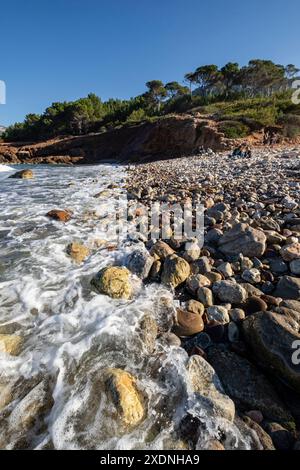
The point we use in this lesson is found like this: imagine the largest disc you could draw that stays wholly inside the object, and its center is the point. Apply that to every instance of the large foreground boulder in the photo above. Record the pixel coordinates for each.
(272, 337)
(122, 389)
(243, 239)
(248, 387)
(113, 281)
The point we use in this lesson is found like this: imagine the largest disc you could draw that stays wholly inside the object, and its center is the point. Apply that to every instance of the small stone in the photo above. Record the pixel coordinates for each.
(187, 323)
(229, 291)
(191, 251)
(251, 276)
(214, 277)
(204, 294)
(140, 263)
(194, 306)
(295, 266)
(281, 437)
(255, 415)
(218, 313)
(195, 281)
(155, 270)
(233, 332)
(288, 288)
(237, 314)
(23, 174)
(225, 269)
(290, 252)
(213, 444)
(201, 266)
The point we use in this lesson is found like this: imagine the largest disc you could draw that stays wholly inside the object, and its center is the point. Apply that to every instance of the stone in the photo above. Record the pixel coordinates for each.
(255, 415)
(271, 336)
(233, 332)
(175, 271)
(128, 400)
(195, 281)
(290, 252)
(11, 344)
(208, 389)
(155, 270)
(229, 291)
(243, 239)
(148, 331)
(113, 281)
(247, 386)
(187, 323)
(59, 215)
(225, 269)
(255, 304)
(295, 267)
(78, 252)
(288, 287)
(201, 266)
(264, 438)
(292, 304)
(23, 174)
(212, 444)
(191, 251)
(251, 276)
(205, 295)
(278, 266)
(237, 314)
(218, 313)
(161, 250)
(194, 306)
(140, 263)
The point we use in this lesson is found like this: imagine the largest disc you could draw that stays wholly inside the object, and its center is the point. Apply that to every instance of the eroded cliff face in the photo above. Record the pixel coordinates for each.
(168, 137)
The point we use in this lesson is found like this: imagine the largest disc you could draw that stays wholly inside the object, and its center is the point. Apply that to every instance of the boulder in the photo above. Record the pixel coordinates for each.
(59, 215)
(11, 344)
(23, 174)
(271, 336)
(208, 389)
(78, 252)
(243, 239)
(175, 271)
(247, 387)
(128, 400)
(140, 263)
(114, 282)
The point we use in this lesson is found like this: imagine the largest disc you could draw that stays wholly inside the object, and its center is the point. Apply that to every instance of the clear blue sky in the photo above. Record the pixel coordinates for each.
(54, 50)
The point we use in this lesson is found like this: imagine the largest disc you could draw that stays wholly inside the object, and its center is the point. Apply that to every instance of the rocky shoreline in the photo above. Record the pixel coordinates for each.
(233, 313)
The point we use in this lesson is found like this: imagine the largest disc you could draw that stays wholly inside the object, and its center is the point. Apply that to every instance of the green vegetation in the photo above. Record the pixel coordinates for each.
(242, 99)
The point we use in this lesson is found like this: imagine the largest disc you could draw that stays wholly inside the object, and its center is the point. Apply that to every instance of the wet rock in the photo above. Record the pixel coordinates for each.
(248, 387)
(11, 344)
(218, 313)
(194, 306)
(243, 239)
(260, 330)
(208, 389)
(113, 281)
(78, 252)
(23, 174)
(229, 291)
(140, 263)
(161, 250)
(59, 215)
(155, 270)
(128, 400)
(187, 323)
(204, 294)
(213, 444)
(175, 271)
(288, 287)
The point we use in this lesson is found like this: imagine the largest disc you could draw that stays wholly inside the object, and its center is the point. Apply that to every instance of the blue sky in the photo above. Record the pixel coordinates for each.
(55, 50)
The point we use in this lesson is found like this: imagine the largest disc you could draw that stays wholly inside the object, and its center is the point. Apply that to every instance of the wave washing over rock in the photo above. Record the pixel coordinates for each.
(80, 369)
